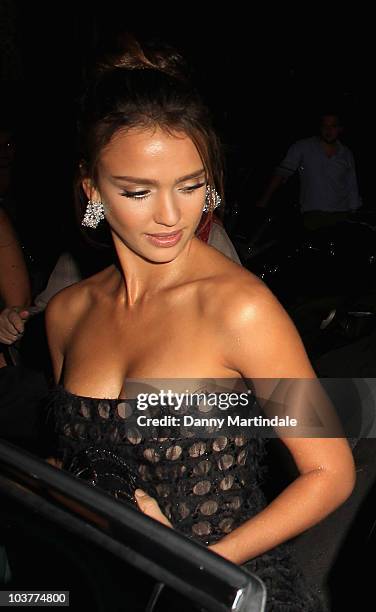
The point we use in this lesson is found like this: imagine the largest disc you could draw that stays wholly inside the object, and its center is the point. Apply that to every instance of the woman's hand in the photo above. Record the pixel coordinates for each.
(12, 324)
(148, 505)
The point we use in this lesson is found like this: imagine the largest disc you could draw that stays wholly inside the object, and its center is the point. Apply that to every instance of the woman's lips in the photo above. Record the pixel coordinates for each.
(165, 240)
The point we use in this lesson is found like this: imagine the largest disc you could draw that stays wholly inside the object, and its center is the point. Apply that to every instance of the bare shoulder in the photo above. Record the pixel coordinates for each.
(68, 301)
(250, 300)
(258, 338)
(64, 313)
(70, 304)
(231, 292)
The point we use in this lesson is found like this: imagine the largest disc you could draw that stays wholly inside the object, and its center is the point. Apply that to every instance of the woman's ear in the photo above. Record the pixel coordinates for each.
(90, 191)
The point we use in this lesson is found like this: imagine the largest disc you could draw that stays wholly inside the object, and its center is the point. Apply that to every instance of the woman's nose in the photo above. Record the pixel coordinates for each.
(167, 211)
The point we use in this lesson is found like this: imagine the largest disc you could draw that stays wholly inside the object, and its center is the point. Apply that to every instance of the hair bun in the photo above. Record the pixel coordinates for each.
(128, 53)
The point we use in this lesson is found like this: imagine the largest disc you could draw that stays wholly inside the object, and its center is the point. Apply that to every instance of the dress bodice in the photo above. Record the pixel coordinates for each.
(206, 486)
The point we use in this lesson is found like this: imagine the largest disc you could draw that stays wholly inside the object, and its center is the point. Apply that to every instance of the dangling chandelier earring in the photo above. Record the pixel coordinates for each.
(212, 199)
(94, 214)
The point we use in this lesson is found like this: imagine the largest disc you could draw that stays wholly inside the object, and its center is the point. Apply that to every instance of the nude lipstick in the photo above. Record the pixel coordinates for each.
(165, 240)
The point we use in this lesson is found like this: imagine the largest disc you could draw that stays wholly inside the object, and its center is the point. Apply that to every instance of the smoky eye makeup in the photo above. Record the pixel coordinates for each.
(192, 188)
(142, 195)
(135, 195)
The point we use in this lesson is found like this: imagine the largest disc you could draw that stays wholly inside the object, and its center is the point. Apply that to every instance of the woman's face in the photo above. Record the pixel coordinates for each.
(153, 186)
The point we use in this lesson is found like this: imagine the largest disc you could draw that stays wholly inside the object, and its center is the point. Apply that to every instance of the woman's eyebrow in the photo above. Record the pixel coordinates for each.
(193, 175)
(146, 181)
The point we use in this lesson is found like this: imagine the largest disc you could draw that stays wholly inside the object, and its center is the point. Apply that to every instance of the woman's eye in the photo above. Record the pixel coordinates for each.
(193, 187)
(142, 195)
(136, 195)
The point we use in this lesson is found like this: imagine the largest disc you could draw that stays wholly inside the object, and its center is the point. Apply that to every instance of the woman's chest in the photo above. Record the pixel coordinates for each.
(104, 351)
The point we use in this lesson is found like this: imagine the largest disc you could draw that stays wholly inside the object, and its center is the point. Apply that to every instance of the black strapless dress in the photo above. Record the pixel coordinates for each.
(206, 487)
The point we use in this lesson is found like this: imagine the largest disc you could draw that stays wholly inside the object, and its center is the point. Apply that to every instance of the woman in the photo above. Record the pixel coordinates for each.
(173, 307)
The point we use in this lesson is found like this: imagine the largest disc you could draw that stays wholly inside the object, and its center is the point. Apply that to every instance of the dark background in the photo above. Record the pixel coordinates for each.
(265, 77)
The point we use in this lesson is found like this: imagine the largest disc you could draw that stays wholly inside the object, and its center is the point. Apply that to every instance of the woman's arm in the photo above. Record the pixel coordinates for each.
(55, 336)
(318, 491)
(56, 318)
(61, 317)
(14, 279)
(264, 344)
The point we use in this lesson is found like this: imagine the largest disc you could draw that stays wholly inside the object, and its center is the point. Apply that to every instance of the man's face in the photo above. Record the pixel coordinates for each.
(330, 129)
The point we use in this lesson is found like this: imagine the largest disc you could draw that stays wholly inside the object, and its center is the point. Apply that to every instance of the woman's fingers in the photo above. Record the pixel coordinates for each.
(149, 506)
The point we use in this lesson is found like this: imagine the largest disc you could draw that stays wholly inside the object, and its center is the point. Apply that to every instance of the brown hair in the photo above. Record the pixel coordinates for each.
(144, 87)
